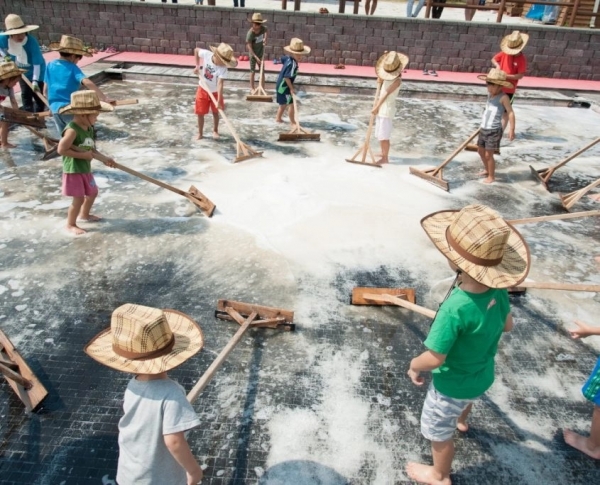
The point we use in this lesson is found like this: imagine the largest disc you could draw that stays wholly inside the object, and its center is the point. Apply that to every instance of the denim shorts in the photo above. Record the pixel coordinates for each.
(591, 389)
(440, 415)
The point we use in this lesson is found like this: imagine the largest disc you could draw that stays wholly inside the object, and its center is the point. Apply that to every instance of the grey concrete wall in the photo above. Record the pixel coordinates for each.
(350, 39)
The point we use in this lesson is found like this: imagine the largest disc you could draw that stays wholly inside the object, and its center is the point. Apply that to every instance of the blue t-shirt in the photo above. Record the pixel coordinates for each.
(289, 71)
(34, 56)
(63, 79)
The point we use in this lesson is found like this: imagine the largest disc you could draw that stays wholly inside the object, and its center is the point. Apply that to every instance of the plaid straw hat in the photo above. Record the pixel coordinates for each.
(297, 47)
(225, 53)
(71, 45)
(257, 18)
(145, 340)
(390, 65)
(85, 103)
(14, 25)
(496, 76)
(514, 43)
(480, 243)
(10, 69)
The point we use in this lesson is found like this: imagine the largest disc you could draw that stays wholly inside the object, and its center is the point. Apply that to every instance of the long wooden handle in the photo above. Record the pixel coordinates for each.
(39, 95)
(555, 217)
(371, 121)
(260, 74)
(576, 154)
(297, 116)
(560, 286)
(210, 372)
(130, 171)
(457, 151)
(394, 300)
(124, 102)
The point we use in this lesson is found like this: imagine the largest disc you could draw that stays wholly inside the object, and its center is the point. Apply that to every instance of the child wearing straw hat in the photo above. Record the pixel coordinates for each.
(491, 128)
(211, 68)
(149, 342)
(488, 256)
(589, 445)
(285, 81)
(9, 77)
(77, 149)
(24, 49)
(389, 69)
(63, 78)
(256, 39)
(512, 61)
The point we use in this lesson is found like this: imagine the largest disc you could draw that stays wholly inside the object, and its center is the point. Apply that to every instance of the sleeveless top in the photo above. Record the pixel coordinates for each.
(388, 108)
(492, 116)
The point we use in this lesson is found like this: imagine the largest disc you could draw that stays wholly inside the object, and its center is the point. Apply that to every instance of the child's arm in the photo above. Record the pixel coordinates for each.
(393, 87)
(290, 84)
(511, 117)
(425, 362)
(495, 62)
(509, 323)
(13, 99)
(196, 61)
(220, 84)
(584, 330)
(65, 147)
(89, 84)
(179, 448)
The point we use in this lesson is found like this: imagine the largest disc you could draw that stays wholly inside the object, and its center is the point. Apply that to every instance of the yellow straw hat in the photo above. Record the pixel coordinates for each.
(71, 45)
(257, 18)
(85, 103)
(496, 76)
(10, 69)
(225, 53)
(390, 65)
(514, 43)
(480, 243)
(14, 25)
(297, 47)
(145, 340)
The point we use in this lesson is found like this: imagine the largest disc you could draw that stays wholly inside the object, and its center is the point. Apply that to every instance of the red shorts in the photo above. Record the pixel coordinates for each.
(204, 103)
(79, 185)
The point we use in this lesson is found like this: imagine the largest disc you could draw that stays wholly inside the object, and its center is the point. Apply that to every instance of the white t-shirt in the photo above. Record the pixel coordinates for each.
(388, 107)
(152, 410)
(210, 72)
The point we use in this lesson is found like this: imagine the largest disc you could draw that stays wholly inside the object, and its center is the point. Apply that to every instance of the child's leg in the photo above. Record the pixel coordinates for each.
(292, 115)
(591, 445)
(385, 151)
(4, 126)
(74, 209)
(280, 113)
(462, 420)
(251, 80)
(481, 152)
(383, 131)
(86, 207)
(491, 167)
(215, 124)
(200, 127)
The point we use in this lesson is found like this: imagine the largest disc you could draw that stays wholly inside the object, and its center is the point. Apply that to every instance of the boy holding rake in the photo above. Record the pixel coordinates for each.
(287, 76)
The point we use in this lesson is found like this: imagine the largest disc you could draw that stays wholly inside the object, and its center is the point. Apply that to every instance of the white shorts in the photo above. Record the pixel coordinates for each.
(383, 128)
(440, 415)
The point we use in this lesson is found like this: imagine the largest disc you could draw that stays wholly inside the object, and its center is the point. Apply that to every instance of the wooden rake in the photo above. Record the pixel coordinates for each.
(569, 200)
(243, 151)
(366, 146)
(555, 217)
(543, 175)
(118, 102)
(19, 375)
(298, 133)
(23, 118)
(247, 316)
(259, 93)
(435, 175)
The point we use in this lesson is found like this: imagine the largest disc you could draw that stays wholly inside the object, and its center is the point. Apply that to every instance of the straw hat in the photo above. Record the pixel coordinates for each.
(85, 103)
(297, 47)
(514, 43)
(390, 65)
(480, 243)
(145, 340)
(225, 53)
(257, 18)
(496, 76)
(70, 45)
(10, 69)
(14, 25)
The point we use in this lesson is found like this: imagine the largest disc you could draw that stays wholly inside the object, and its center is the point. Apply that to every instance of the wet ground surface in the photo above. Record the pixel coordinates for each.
(297, 229)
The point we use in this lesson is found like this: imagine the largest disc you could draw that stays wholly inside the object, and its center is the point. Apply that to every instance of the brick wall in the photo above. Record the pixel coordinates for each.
(351, 39)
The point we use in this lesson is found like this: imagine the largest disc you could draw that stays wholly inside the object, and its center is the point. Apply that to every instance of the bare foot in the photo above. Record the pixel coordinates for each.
(580, 443)
(597, 259)
(216, 135)
(75, 230)
(462, 427)
(199, 137)
(483, 173)
(381, 161)
(90, 218)
(8, 145)
(425, 474)
(595, 197)
(489, 180)
(278, 120)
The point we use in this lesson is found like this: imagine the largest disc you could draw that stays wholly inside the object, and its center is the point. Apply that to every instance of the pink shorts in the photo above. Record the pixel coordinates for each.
(79, 185)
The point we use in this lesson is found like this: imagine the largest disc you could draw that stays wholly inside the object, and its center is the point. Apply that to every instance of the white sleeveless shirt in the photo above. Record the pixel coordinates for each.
(388, 108)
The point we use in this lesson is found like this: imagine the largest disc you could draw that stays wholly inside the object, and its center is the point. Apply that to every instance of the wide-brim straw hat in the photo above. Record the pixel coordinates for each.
(85, 103)
(496, 76)
(257, 18)
(71, 45)
(481, 243)
(225, 53)
(297, 47)
(145, 340)
(390, 65)
(10, 69)
(14, 25)
(514, 43)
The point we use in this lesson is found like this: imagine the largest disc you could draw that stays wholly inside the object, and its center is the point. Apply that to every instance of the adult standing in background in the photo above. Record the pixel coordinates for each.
(24, 50)
(242, 3)
(470, 12)
(370, 6)
(409, 8)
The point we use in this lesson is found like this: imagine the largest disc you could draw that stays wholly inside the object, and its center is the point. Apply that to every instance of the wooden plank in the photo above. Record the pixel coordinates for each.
(263, 312)
(299, 137)
(359, 292)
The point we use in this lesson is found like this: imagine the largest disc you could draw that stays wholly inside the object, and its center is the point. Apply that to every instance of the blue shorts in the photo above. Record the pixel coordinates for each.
(591, 389)
(284, 99)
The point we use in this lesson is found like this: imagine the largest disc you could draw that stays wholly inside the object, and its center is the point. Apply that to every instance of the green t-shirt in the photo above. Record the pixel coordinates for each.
(467, 329)
(84, 139)
(257, 40)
